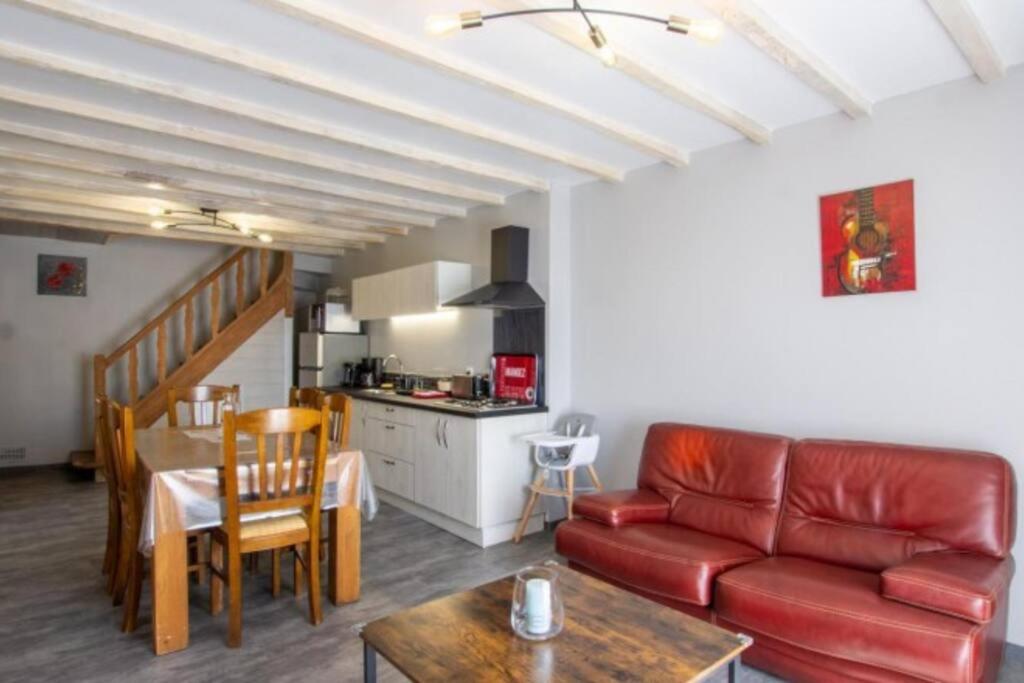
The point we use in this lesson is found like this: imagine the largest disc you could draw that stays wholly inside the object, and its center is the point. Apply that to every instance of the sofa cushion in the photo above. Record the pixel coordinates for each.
(615, 508)
(965, 585)
(664, 559)
(839, 612)
(723, 482)
(873, 506)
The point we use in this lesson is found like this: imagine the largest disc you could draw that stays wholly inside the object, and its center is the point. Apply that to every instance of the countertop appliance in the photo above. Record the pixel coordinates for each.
(469, 387)
(514, 376)
(324, 357)
(510, 262)
(332, 318)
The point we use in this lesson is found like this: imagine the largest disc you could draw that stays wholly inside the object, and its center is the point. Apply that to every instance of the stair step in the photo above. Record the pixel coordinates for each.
(84, 460)
(85, 465)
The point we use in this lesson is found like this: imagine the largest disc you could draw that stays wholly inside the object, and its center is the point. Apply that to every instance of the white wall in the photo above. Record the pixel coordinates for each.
(449, 343)
(47, 342)
(697, 292)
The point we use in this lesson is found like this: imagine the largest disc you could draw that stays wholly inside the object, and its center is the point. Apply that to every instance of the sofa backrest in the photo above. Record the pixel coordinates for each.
(872, 506)
(719, 481)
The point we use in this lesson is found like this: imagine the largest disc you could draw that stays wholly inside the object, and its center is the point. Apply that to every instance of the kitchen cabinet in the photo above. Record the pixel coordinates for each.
(409, 291)
(446, 466)
(391, 474)
(467, 475)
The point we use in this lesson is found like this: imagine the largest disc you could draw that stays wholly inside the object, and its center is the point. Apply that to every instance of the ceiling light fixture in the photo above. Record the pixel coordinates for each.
(203, 218)
(706, 30)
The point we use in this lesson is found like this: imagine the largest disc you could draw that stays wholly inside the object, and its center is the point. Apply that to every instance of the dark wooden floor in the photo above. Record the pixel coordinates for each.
(56, 624)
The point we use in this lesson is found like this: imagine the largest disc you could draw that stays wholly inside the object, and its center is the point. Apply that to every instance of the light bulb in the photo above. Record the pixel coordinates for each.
(155, 211)
(243, 228)
(604, 50)
(447, 24)
(265, 238)
(158, 225)
(155, 186)
(706, 30)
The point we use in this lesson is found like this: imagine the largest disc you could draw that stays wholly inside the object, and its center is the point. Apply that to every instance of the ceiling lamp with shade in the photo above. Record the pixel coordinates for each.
(706, 30)
(203, 218)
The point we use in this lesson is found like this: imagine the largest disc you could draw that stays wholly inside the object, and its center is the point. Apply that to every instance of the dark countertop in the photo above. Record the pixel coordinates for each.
(435, 404)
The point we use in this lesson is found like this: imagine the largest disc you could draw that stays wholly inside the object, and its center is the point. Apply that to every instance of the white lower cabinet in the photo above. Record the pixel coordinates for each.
(446, 465)
(466, 475)
(391, 474)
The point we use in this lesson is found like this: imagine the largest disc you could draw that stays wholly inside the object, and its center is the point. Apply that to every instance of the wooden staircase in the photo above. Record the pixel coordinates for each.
(195, 334)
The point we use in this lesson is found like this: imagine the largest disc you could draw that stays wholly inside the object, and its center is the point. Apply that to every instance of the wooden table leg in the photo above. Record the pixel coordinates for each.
(170, 593)
(343, 585)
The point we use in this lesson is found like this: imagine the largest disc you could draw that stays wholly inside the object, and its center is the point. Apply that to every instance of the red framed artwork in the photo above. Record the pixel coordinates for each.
(867, 240)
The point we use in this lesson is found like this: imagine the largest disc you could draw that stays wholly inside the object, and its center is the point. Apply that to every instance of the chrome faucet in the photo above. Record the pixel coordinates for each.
(384, 365)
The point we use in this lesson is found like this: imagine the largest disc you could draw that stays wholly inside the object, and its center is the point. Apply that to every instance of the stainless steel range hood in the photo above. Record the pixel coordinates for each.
(508, 290)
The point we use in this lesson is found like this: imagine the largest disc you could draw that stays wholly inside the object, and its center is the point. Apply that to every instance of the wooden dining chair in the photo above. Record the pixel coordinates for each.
(205, 404)
(120, 426)
(306, 397)
(106, 457)
(340, 416)
(278, 489)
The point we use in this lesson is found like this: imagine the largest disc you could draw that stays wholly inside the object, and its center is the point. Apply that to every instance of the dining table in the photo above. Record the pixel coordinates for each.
(180, 476)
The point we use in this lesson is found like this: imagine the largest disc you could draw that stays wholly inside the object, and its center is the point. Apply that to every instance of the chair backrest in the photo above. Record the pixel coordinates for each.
(278, 484)
(307, 397)
(340, 407)
(576, 424)
(873, 505)
(205, 403)
(120, 428)
(102, 408)
(720, 481)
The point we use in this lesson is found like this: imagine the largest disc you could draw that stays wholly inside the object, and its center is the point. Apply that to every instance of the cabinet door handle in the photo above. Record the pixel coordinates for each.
(437, 432)
(389, 410)
(389, 426)
(444, 434)
(389, 462)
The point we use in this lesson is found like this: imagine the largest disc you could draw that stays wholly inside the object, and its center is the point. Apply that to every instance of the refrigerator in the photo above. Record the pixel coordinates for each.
(321, 356)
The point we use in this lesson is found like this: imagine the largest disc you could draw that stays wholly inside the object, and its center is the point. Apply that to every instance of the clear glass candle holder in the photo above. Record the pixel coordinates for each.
(537, 610)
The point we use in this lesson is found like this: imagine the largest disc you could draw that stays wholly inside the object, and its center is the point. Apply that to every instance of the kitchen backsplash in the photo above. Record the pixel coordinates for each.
(440, 343)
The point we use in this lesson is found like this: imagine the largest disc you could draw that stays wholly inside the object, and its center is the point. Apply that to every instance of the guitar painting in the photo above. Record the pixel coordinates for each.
(867, 240)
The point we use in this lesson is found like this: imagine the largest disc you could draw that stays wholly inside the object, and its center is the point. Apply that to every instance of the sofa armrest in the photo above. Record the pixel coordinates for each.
(966, 585)
(615, 508)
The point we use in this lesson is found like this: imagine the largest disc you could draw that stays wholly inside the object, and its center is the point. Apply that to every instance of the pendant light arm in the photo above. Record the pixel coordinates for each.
(576, 8)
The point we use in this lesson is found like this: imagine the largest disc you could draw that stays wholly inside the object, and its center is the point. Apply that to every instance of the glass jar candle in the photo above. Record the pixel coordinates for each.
(537, 611)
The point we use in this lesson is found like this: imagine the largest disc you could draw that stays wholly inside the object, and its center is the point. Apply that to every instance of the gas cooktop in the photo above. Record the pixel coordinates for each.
(485, 403)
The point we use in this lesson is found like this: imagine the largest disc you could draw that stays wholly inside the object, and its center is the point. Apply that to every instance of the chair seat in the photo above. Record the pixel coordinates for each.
(839, 612)
(663, 559)
(272, 526)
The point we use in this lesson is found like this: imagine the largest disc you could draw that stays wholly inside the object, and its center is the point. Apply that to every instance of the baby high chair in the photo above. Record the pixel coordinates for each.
(570, 445)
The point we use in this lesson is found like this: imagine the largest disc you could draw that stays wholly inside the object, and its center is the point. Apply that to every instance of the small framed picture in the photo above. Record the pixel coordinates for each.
(61, 275)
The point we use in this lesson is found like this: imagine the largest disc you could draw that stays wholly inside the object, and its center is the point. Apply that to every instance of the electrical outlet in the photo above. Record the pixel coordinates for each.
(12, 454)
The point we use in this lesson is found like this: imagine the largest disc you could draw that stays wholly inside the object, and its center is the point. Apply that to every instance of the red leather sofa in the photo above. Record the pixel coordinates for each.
(843, 560)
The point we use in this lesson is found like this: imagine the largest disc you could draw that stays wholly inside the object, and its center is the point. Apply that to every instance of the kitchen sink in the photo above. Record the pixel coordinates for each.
(378, 392)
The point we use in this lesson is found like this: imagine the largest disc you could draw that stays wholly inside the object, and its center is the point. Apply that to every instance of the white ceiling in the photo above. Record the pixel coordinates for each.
(880, 48)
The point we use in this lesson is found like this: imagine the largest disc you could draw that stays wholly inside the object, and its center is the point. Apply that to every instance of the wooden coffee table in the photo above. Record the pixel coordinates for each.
(609, 634)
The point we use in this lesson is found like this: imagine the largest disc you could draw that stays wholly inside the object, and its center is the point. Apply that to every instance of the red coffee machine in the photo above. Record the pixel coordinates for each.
(514, 377)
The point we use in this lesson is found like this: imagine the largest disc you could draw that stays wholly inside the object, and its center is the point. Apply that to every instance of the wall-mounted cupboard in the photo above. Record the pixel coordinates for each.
(409, 291)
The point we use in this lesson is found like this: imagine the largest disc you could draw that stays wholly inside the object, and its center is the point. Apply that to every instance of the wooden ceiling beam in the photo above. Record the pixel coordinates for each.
(334, 18)
(136, 229)
(966, 30)
(637, 67)
(213, 101)
(296, 75)
(19, 177)
(140, 205)
(206, 136)
(751, 22)
(77, 209)
(147, 154)
(119, 177)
